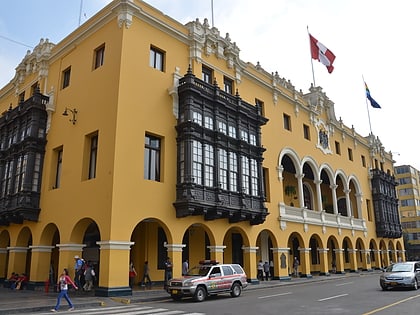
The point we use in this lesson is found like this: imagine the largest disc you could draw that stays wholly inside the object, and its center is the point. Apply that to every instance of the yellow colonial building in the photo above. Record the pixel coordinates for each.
(136, 138)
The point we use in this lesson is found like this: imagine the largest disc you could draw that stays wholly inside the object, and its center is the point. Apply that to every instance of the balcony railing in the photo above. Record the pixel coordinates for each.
(311, 217)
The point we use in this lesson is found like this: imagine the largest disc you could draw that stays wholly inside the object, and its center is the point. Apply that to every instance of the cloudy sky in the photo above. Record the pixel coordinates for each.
(374, 40)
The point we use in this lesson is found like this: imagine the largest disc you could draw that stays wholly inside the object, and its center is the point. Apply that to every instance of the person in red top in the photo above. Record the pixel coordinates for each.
(63, 281)
(21, 281)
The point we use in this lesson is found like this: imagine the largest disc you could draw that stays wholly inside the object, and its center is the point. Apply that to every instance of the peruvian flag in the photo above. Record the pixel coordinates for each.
(321, 53)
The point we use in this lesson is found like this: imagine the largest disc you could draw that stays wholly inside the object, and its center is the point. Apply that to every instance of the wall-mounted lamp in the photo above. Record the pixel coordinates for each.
(73, 112)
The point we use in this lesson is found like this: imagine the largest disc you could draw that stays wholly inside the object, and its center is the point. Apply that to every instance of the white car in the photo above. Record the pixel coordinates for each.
(209, 278)
(403, 274)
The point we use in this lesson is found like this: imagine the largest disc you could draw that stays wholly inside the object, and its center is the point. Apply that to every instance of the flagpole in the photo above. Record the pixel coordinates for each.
(212, 14)
(367, 105)
(312, 62)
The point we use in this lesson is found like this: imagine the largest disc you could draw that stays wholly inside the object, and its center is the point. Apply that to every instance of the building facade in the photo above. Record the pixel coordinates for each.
(408, 178)
(136, 138)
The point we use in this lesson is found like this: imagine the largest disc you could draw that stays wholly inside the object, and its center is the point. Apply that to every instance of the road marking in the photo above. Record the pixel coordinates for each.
(345, 283)
(274, 295)
(390, 305)
(332, 297)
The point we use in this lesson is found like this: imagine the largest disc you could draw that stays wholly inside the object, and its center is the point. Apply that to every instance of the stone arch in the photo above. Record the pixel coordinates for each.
(4, 254)
(374, 254)
(290, 171)
(326, 176)
(315, 244)
(347, 246)
(355, 197)
(235, 240)
(50, 236)
(22, 254)
(361, 254)
(341, 182)
(295, 243)
(333, 246)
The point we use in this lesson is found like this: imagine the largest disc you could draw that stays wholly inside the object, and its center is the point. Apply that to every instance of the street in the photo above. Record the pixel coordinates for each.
(354, 295)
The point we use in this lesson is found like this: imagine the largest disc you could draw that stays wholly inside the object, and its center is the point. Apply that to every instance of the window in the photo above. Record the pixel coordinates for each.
(260, 104)
(266, 184)
(208, 122)
(306, 133)
(22, 97)
(252, 139)
(207, 74)
(197, 168)
(157, 58)
(244, 135)
(233, 172)
(222, 127)
(66, 78)
(350, 153)
(232, 131)
(208, 165)
(337, 148)
(93, 156)
(58, 166)
(228, 85)
(254, 177)
(152, 149)
(34, 88)
(36, 182)
(20, 172)
(99, 57)
(363, 161)
(223, 169)
(286, 122)
(197, 118)
(245, 175)
(369, 210)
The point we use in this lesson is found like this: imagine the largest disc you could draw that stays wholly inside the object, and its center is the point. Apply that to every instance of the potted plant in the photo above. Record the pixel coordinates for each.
(290, 191)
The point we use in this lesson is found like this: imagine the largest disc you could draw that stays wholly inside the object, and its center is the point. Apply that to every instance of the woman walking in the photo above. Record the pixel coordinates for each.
(63, 281)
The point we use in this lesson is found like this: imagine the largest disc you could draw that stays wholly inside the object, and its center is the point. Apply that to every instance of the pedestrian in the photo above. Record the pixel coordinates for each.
(146, 275)
(334, 266)
(260, 270)
(296, 266)
(266, 270)
(63, 281)
(168, 272)
(78, 270)
(185, 267)
(132, 273)
(89, 276)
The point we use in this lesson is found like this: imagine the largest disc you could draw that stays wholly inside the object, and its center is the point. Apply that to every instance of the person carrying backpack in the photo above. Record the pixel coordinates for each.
(78, 270)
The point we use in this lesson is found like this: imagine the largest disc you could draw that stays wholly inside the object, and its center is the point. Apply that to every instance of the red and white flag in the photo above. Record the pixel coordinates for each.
(322, 53)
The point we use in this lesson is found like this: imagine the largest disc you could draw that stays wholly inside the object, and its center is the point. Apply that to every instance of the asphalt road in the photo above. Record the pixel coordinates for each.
(355, 295)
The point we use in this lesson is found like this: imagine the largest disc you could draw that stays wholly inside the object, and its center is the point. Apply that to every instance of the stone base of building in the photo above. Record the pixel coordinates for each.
(110, 292)
(285, 278)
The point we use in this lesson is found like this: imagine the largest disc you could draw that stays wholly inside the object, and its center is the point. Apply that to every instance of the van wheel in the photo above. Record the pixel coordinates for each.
(416, 285)
(200, 294)
(236, 290)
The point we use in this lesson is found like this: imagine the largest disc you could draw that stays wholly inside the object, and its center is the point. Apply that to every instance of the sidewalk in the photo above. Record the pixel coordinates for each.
(28, 301)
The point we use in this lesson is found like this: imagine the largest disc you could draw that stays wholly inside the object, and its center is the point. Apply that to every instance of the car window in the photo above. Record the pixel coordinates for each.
(216, 272)
(227, 270)
(238, 268)
(198, 271)
(400, 268)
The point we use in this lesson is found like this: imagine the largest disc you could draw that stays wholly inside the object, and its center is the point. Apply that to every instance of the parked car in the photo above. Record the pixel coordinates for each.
(209, 278)
(403, 274)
